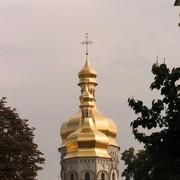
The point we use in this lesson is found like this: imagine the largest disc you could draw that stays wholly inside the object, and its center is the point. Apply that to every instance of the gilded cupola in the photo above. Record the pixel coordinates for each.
(100, 128)
(87, 74)
(87, 141)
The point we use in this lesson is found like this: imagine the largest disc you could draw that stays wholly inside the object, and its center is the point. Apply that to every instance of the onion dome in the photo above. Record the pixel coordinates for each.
(99, 123)
(87, 141)
(87, 74)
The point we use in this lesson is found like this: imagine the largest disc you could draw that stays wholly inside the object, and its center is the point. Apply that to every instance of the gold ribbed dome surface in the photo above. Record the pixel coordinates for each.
(88, 132)
(101, 122)
(87, 141)
(87, 71)
(87, 74)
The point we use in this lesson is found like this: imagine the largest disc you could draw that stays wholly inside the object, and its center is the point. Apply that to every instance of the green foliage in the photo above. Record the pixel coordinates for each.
(19, 156)
(162, 144)
(137, 165)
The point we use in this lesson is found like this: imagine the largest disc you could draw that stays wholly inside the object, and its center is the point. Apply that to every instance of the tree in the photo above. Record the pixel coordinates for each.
(162, 120)
(138, 165)
(19, 156)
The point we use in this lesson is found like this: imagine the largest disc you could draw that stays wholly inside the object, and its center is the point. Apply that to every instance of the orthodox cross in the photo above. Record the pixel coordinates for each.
(86, 42)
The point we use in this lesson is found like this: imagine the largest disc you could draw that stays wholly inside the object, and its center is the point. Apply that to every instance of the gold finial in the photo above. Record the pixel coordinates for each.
(86, 42)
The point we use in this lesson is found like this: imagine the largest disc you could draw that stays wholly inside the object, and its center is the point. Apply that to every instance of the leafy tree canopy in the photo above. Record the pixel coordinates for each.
(138, 165)
(19, 156)
(163, 143)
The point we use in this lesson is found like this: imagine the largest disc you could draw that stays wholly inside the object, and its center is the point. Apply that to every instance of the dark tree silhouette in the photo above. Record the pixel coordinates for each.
(19, 156)
(162, 122)
(138, 165)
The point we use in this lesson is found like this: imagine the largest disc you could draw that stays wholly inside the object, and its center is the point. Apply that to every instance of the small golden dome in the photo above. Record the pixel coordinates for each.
(87, 71)
(87, 74)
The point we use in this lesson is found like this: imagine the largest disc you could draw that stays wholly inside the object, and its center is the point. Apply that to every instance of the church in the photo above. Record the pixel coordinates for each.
(89, 150)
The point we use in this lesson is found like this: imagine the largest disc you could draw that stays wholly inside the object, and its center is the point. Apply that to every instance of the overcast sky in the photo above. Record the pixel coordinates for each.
(41, 55)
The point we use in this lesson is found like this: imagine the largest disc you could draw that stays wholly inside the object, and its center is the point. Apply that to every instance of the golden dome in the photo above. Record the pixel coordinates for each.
(87, 71)
(84, 133)
(101, 122)
(87, 137)
(87, 74)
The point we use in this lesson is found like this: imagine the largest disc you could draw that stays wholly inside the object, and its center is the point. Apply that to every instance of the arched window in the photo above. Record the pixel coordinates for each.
(102, 176)
(72, 176)
(113, 176)
(87, 176)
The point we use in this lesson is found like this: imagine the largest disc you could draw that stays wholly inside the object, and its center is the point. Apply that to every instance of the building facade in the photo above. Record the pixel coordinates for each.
(89, 150)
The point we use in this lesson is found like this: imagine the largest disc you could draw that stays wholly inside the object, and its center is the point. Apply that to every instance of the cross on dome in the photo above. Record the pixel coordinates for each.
(87, 42)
